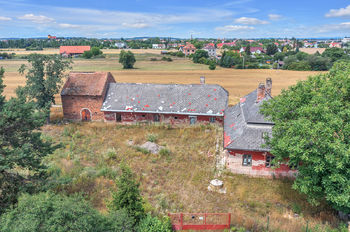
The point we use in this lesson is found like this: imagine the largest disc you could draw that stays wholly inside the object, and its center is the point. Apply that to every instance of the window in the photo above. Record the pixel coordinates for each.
(193, 120)
(143, 115)
(212, 119)
(118, 117)
(247, 160)
(175, 117)
(268, 162)
(156, 118)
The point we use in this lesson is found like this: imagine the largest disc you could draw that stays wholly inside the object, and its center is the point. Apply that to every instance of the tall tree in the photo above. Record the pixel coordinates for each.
(247, 50)
(127, 59)
(312, 131)
(128, 195)
(21, 147)
(44, 79)
(271, 49)
(2, 87)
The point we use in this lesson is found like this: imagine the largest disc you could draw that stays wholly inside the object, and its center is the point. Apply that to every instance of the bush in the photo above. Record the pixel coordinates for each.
(203, 60)
(180, 54)
(167, 59)
(299, 66)
(212, 65)
(87, 54)
(48, 212)
(252, 66)
(142, 150)
(120, 221)
(164, 152)
(152, 138)
(153, 59)
(154, 224)
(96, 51)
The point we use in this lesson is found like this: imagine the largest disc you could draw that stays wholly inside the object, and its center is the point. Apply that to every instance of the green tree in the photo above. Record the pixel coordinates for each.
(96, 51)
(279, 56)
(271, 49)
(88, 54)
(312, 131)
(47, 212)
(2, 87)
(44, 79)
(212, 65)
(127, 59)
(335, 54)
(154, 224)
(247, 50)
(21, 147)
(119, 221)
(128, 195)
(199, 54)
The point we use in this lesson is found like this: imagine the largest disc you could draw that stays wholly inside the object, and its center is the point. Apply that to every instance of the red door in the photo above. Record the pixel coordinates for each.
(85, 115)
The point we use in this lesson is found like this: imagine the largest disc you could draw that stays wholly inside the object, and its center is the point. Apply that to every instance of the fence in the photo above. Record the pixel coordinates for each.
(200, 221)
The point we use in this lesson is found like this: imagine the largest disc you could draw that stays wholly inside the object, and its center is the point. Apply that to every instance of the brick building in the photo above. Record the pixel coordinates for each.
(244, 132)
(189, 49)
(83, 94)
(68, 51)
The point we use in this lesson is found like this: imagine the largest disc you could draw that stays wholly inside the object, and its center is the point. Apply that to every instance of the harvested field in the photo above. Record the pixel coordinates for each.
(180, 71)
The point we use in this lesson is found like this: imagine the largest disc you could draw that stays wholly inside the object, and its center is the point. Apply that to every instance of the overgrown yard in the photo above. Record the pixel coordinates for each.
(90, 155)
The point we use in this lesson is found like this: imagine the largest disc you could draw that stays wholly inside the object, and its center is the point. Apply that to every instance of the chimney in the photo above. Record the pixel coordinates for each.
(260, 92)
(268, 86)
(202, 80)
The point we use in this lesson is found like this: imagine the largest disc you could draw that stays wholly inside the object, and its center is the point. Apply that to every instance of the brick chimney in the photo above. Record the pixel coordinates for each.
(260, 92)
(202, 80)
(268, 86)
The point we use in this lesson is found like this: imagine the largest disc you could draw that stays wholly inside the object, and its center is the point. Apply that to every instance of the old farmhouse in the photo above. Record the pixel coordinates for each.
(244, 131)
(68, 51)
(98, 97)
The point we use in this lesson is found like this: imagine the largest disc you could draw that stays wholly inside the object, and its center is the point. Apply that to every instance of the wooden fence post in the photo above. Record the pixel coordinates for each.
(229, 220)
(181, 219)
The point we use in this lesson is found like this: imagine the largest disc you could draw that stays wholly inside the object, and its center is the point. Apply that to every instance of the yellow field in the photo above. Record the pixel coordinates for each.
(181, 71)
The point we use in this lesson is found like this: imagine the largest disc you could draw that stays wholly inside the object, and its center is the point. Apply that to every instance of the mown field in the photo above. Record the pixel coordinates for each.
(88, 162)
(180, 70)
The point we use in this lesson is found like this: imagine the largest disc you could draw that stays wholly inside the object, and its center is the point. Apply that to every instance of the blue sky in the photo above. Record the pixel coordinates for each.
(179, 18)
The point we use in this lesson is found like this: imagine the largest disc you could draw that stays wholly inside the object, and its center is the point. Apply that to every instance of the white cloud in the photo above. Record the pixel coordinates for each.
(67, 25)
(274, 16)
(250, 21)
(135, 25)
(342, 12)
(2, 18)
(36, 18)
(229, 28)
(334, 27)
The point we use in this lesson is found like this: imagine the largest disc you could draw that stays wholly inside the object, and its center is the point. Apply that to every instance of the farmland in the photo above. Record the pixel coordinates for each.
(180, 71)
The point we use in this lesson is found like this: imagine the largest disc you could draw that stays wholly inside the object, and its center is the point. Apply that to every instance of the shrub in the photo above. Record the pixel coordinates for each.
(152, 138)
(153, 59)
(127, 59)
(154, 224)
(164, 152)
(198, 55)
(120, 220)
(96, 51)
(212, 65)
(180, 54)
(203, 60)
(167, 59)
(299, 66)
(87, 54)
(142, 150)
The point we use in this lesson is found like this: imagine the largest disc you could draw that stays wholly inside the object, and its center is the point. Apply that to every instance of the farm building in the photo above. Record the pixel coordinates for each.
(244, 132)
(188, 49)
(68, 51)
(83, 94)
(96, 96)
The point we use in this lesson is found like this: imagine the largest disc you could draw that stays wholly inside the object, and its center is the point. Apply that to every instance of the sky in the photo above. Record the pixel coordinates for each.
(177, 19)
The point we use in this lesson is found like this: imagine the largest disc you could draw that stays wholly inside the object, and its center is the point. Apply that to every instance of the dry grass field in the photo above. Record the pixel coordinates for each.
(180, 71)
(88, 162)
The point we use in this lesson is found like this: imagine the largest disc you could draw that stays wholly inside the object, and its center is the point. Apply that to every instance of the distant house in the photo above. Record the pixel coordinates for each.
(346, 40)
(245, 129)
(335, 45)
(68, 51)
(253, 50)
(230, 44)
(210, 48)
(189, 49)
(311, 51)
(158, 46)
(120, 45)
(51, 37)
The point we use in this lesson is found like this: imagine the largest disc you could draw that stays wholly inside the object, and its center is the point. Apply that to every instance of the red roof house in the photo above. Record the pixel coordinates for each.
(73, 50)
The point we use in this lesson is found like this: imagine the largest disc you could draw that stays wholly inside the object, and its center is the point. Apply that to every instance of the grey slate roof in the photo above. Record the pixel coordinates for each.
(244, 126)
(195, 99)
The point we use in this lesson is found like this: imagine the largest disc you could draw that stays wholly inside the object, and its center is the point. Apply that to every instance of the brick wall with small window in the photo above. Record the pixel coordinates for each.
(255, 163)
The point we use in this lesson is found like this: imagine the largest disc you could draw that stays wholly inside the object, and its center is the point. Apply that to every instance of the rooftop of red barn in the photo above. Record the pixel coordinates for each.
(74, 49)
(85, 83)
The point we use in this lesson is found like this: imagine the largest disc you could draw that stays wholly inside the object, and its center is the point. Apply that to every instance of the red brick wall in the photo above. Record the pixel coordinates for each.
(165, 118)
(73, 105)
(235, 159)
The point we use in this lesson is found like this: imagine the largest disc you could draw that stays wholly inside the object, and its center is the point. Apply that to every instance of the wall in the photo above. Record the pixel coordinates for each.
(131, 117)
(73, 105)
(234, 161)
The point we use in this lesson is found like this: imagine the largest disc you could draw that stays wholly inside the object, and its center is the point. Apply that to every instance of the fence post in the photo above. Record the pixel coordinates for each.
(268, 222)
(205, 219)
(181, 220)
(229, 220)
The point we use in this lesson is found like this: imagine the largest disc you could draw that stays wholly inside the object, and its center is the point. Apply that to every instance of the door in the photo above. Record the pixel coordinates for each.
(118, 117)
(85, 115)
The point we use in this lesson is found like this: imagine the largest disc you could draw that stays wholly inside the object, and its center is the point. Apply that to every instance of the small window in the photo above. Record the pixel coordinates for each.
(212, 119)
(156, 118)
(268, 162)
(175, 117)
(143, 115)
(247, 160)
(193, 120)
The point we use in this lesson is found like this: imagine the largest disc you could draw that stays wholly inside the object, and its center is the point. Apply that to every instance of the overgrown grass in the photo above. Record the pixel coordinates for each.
(175, 180)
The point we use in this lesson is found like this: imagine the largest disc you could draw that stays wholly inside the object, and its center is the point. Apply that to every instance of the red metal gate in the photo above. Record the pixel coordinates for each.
(200, 221)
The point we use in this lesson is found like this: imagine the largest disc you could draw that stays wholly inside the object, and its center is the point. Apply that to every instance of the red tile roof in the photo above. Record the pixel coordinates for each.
(74, 49)
(86, 83)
